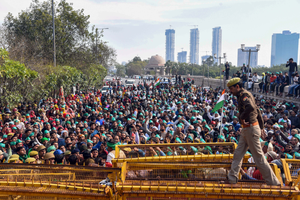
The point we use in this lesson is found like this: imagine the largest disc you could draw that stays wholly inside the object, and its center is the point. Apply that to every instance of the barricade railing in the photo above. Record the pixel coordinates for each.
(195, 181)
(291, 168)
(64, 181)
(173, 149)
(202, 190)
(79, 173)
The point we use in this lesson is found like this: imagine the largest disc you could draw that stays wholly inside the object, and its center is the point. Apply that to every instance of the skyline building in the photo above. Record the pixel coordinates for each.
(170, 44)
(284, 47)
(217, 43)
(243, 57)
(194, 46)
(181, 56)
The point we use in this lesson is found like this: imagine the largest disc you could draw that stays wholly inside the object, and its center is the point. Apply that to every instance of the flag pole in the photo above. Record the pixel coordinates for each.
(221, 127)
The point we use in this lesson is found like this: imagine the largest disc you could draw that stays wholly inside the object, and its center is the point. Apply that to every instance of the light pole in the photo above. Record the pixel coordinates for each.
(249, 50)
(53, 27)
(204, 61)
(224, 56)
(97, 41)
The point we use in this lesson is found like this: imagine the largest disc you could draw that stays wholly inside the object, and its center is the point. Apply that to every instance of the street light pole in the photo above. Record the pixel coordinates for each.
(53, 27)
(224, 56)
(203, 62)
(249, 50)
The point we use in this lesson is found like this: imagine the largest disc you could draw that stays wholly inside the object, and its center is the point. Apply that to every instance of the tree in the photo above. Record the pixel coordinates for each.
(15, 80)
(29, 36)
(209, 61)
(94, 76)
(64, 76)
(168, 65)
(120, 70)
(174, 68)
(136, 59)
(135, 67)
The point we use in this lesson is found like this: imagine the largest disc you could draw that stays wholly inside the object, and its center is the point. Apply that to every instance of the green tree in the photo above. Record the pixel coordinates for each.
(94, 76)
(121, 70)
(64, 76)
(29, 36)
(15, 80)
(174, 68)
(136, 66)
(136, 59)
(168, 65)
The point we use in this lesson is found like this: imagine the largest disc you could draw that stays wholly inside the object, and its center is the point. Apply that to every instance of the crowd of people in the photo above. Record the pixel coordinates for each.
(271, 82)
(85, 127)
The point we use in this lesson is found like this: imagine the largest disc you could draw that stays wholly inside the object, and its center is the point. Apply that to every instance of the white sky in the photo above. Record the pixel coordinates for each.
(137, 27)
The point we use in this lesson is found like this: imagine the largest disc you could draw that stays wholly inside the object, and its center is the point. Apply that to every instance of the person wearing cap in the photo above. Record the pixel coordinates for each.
(35, 155)
(252, 123)
(49, 158)
(30, 160)
(42, 151)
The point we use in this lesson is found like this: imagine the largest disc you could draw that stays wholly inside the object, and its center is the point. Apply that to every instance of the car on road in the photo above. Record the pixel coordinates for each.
(206, 88)
(108, 79)
(136, 76)
(164, 80)
(173, 81)
(105, 89)
(148, 77)
(129, 83)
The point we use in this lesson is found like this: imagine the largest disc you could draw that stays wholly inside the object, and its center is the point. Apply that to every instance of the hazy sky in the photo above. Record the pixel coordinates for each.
(138, 27)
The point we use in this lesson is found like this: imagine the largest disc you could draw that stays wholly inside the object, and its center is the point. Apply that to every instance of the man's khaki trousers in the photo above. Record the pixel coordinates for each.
(250, 138)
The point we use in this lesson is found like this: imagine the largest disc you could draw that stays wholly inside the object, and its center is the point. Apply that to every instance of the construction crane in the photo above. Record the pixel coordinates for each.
(205, 52)
(194, 26)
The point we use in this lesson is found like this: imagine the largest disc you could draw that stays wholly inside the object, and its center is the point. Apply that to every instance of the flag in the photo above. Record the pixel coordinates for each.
(157, 82)
(220, 102)
(124, 91)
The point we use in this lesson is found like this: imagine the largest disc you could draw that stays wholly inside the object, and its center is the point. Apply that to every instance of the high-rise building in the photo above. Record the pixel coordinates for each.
(181, 56)
(284, 47)
(217, 42)
(194, 46)
(243, 57)
(170, 44)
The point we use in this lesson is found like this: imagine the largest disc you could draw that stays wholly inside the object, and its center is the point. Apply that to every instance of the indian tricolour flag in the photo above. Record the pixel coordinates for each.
(157, 82)
(220, 102)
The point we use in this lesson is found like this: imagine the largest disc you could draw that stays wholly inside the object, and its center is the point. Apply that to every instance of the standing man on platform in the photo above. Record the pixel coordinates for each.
(292, 68)
(252, 128)
(227, 68)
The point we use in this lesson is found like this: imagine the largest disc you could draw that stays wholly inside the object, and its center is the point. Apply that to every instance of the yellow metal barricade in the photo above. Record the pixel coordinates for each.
(34, 181)
(179, 148)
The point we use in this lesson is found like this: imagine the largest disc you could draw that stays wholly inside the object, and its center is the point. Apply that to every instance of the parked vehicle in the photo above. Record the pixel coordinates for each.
(105, 89)
(129, 83)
